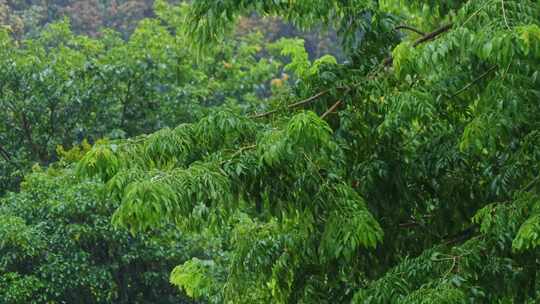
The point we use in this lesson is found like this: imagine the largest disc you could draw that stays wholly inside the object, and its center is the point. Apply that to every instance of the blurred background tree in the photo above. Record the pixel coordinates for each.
(89, 17)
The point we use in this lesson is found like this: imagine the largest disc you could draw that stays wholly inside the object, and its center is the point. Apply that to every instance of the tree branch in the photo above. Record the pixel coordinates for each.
(27, 129)
(425, 38)
(5, 154)
(331, 109)
(461, 236)
(410, 28)
(294, 105)
(474, 81)
(530, 185)
(433, 35)
(239, 151)
(408, 224)
(242, 149)
(125, 105)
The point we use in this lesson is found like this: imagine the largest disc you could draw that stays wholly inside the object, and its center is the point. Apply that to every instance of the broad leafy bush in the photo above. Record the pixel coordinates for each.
(57, 246)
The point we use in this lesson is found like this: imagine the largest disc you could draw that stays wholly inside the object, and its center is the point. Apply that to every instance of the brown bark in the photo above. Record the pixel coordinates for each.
(331, 109)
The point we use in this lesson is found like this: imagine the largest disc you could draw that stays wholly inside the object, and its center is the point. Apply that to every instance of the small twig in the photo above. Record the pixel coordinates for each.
(454, 262)
(476, 12)
(308, 100)
(530, 185)
(504, 14)
(410, 28)
(304, 101)
(408, 224)
(242, 149)
(239, 151)
(5, 154)
(474, 81)
(264, 114)
(331, 109)
(507, 67)
(450, 257)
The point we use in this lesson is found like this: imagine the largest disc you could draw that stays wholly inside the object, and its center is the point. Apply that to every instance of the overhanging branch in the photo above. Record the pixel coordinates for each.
(299, 103)
(425, 38)
(474, 81)
(294, 105)
(410, 28)
(432, 35)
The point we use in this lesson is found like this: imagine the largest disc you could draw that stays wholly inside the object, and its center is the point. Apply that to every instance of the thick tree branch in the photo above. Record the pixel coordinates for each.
(432, 35)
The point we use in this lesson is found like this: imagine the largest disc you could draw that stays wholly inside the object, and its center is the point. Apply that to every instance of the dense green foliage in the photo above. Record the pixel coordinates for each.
(57, 246)
(60, 88)
(26, 18)
(407, 175)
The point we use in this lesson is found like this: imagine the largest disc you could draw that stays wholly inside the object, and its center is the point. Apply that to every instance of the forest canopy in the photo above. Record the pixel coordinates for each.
(243, 170)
